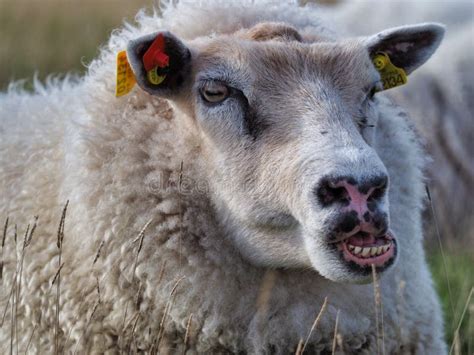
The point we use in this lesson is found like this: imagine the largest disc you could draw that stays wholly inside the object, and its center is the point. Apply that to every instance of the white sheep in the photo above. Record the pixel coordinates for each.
(214, 210)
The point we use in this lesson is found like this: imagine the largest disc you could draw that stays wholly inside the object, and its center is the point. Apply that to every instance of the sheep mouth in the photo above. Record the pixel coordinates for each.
(365, 250)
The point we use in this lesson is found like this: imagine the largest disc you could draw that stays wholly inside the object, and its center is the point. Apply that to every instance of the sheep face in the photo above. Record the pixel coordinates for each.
(287, 130)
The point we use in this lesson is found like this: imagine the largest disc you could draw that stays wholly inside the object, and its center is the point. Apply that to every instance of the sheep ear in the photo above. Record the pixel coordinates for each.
(407, 46)
(160, 62)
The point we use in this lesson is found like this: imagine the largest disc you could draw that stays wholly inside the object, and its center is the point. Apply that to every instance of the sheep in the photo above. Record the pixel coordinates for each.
(257, 195)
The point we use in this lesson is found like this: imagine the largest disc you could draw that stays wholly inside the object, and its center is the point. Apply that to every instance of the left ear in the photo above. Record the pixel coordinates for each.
(167, 57)
(407, 46)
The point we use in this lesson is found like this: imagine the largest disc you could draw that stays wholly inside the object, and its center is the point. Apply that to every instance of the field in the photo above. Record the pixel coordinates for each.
(56, 36)
(59, 36)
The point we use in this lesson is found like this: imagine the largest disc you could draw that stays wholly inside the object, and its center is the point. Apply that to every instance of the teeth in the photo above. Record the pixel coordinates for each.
(369, 251)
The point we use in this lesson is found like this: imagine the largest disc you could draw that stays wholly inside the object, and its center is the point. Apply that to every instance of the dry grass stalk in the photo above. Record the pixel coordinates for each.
(180, 236)
(299, 348)
(132, 337)
(378, 312)
(13, 295)
(5, 311)
(106, 274)
(315, 323)
(98, 288)
(56, 275)
(187, 333)
(96, 305)
(59, 244)
(30, 338)
(139, 239)
(334, 340)
(94, 309)
(99, 301)
(16, 297)
(119, 258)
(12, 318)
(470, 329)
(91, 317)
(5, 229)
(456, 333)
(441, 248)
(374, 276)
(156, 343)
(162, 271)
(124, 325)
(12, 289)
(15, 291)
(26, 242)
(99, 250)
(138, 298)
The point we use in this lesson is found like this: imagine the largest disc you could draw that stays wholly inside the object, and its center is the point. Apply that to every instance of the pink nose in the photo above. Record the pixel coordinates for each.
(357, 199)
(358, 196)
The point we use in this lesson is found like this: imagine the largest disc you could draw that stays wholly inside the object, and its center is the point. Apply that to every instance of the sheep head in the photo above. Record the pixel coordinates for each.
(287, 127)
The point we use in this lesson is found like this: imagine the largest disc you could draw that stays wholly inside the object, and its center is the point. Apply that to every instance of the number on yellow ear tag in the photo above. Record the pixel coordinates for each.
(125, 78)
(391, 75)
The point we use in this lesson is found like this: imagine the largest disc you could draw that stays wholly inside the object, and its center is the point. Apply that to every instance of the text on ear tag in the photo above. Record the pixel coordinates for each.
(391, 75)
(125, 78)
(156, 61)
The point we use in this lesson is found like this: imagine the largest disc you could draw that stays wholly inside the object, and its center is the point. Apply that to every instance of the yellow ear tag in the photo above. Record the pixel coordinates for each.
(154, 77)
(391, 75)
(125, 78)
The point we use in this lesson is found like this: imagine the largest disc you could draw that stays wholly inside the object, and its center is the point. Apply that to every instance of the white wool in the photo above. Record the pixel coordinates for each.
(73, 140)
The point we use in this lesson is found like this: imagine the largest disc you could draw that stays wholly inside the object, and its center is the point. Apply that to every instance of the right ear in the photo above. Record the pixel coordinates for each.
(407, 46)
(175, 73)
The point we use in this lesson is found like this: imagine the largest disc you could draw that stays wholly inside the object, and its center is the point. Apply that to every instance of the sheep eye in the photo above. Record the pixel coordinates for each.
(214, 92)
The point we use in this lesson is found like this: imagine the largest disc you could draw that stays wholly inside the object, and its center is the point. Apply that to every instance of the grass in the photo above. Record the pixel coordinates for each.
(460, 273)
(58, 36)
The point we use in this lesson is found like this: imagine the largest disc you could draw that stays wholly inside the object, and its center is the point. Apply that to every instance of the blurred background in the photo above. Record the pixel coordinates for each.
(56, 36)
(43, 37)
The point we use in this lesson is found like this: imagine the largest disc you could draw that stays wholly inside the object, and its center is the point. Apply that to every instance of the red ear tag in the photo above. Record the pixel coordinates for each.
(155, 55)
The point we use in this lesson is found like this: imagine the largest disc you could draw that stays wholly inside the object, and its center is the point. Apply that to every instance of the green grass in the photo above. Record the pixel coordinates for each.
(460, 274)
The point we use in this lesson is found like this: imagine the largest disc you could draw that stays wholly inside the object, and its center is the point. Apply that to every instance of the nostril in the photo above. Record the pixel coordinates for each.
(328, 192)
(379, 187)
